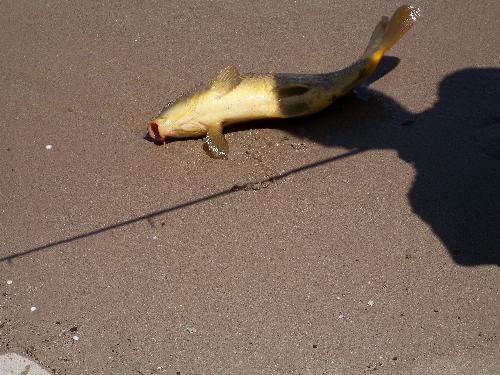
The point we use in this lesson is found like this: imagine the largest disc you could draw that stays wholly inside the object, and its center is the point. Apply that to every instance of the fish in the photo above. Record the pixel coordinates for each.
(233, 97)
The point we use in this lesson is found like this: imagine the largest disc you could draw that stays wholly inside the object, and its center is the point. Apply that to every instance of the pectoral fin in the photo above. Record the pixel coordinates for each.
(227, 79)
(215, 143)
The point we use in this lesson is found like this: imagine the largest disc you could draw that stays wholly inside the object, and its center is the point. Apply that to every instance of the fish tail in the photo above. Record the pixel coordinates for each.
(389, 31)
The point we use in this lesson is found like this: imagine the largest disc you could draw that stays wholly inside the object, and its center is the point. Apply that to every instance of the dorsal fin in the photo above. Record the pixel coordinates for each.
(226, 80)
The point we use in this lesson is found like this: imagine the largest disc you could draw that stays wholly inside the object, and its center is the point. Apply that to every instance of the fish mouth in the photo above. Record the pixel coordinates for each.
(154, 132)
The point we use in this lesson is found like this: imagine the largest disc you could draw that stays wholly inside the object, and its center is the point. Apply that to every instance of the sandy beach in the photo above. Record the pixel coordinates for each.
(361, 239)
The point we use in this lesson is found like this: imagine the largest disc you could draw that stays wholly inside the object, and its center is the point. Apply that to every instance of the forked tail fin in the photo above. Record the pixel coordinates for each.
(389, 31)
(386, 34)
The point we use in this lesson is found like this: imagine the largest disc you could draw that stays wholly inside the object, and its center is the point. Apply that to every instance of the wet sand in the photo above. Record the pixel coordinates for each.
(361, 239)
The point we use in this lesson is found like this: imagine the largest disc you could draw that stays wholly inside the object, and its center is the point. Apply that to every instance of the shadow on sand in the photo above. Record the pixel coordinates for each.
(454, 148)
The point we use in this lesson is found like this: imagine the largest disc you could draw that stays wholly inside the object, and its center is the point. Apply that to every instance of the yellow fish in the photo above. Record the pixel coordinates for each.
(233, 98)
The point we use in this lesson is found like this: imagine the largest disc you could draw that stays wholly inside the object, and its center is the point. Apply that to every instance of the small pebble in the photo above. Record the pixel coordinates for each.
(76, 338)
(9, 282)
(370, 303)
(48, 147)
(33, 308)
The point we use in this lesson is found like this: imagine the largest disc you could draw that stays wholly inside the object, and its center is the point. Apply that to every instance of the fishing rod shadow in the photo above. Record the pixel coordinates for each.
(151, 215)
(321, 132)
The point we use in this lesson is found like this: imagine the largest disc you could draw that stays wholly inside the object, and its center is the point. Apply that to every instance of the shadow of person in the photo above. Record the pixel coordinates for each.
(454, 148)
(456, 152)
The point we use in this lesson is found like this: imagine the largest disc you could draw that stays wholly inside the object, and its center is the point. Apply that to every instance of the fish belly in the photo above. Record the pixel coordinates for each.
(253, 99)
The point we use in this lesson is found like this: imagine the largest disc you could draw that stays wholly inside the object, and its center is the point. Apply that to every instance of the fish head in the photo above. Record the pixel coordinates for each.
(178, 120)
(158, 129)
